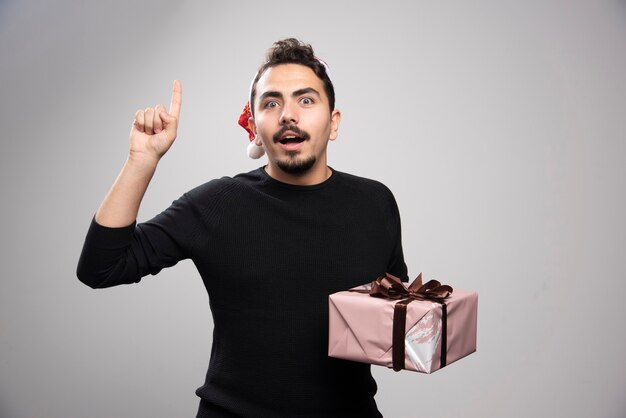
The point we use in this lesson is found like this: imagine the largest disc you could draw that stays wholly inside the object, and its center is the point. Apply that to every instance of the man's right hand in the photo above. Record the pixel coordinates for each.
(152, 134)
(154, 130)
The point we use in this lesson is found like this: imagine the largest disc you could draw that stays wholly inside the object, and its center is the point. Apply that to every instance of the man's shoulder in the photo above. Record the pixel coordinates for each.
(375, 199)
(225, 186)
(363, 184)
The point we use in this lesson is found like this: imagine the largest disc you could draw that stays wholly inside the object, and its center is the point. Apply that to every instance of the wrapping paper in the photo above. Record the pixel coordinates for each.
(360, 329)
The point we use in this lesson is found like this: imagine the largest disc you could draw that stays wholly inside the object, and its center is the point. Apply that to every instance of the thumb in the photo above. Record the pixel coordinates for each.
(167, 118)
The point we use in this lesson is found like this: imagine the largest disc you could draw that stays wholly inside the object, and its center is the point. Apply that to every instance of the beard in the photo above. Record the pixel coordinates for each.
(295, 165)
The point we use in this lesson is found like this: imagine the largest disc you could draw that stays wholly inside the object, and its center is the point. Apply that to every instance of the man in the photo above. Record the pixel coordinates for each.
(270, 246)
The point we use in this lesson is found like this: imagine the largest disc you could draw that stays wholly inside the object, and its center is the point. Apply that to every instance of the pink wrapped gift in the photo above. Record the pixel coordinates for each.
(420, 328)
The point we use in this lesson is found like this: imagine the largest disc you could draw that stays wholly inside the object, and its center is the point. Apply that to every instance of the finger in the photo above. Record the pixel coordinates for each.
(158, 122)
(177, 99)
(149, 121)
(169, 122)
(139, 120)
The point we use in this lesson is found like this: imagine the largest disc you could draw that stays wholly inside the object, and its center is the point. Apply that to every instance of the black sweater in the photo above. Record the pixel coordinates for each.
(269, 254)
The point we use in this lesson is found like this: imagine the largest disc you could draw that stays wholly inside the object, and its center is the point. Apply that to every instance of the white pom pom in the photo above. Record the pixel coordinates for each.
(255, 151)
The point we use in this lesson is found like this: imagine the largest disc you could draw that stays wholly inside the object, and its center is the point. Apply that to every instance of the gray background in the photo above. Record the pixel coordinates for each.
(499, 125)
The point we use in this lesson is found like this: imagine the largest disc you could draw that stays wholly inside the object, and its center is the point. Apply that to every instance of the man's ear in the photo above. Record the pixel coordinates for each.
(335, 118)
(252, 127)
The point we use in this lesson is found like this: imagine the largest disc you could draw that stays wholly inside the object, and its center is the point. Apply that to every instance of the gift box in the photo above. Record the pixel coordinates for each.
(421, 328)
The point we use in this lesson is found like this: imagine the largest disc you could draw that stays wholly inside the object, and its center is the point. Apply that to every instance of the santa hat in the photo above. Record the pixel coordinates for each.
(256, 151)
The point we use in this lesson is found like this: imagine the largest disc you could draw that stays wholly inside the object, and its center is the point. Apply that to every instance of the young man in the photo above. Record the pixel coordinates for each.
(270, 246)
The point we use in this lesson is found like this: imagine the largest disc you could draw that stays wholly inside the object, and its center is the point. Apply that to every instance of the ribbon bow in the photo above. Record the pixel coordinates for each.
(391, 287)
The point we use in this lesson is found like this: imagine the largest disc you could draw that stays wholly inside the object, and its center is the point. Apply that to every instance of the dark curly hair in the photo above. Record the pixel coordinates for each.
(293, 51)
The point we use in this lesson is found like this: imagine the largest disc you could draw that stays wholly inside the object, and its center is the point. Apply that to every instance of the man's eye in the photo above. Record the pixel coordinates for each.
(306, 101)
(271, 104)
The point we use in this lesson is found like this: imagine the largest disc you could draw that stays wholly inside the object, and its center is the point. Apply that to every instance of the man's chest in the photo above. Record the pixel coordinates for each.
(287, 250)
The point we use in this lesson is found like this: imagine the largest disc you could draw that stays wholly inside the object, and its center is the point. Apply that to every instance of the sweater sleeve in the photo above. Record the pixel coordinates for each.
(113, 256)
(397, 266)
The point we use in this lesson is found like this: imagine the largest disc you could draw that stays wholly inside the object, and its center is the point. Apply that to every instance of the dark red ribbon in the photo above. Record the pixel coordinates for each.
(391, 287)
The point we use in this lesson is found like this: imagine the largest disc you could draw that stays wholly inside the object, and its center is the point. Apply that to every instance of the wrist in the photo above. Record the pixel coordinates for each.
(141, 162)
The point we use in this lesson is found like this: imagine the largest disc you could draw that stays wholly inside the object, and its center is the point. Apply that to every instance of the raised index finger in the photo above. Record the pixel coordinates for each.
(177, 98)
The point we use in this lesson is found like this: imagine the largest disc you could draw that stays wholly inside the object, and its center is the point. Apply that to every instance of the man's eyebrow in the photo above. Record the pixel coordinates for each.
(275, 94)
(300, 92)
(306, 90)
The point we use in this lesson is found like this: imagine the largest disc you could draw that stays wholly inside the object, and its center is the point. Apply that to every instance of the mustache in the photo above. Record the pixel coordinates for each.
(293, 128)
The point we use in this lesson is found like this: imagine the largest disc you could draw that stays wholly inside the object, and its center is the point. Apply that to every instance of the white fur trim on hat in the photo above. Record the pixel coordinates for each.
(255, 151)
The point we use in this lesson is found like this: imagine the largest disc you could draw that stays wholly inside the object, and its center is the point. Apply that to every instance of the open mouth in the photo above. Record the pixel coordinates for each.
(291, 139)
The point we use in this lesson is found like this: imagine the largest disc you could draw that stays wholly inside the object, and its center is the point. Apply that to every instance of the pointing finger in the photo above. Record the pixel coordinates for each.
(177, 98)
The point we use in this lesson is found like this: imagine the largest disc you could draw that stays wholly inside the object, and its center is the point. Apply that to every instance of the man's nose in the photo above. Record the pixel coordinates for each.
(290, 114)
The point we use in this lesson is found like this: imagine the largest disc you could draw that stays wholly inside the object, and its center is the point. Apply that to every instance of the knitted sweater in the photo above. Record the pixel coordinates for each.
(269, 254)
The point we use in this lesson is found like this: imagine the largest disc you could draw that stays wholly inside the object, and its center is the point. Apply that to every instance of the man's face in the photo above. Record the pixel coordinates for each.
(293, 120)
